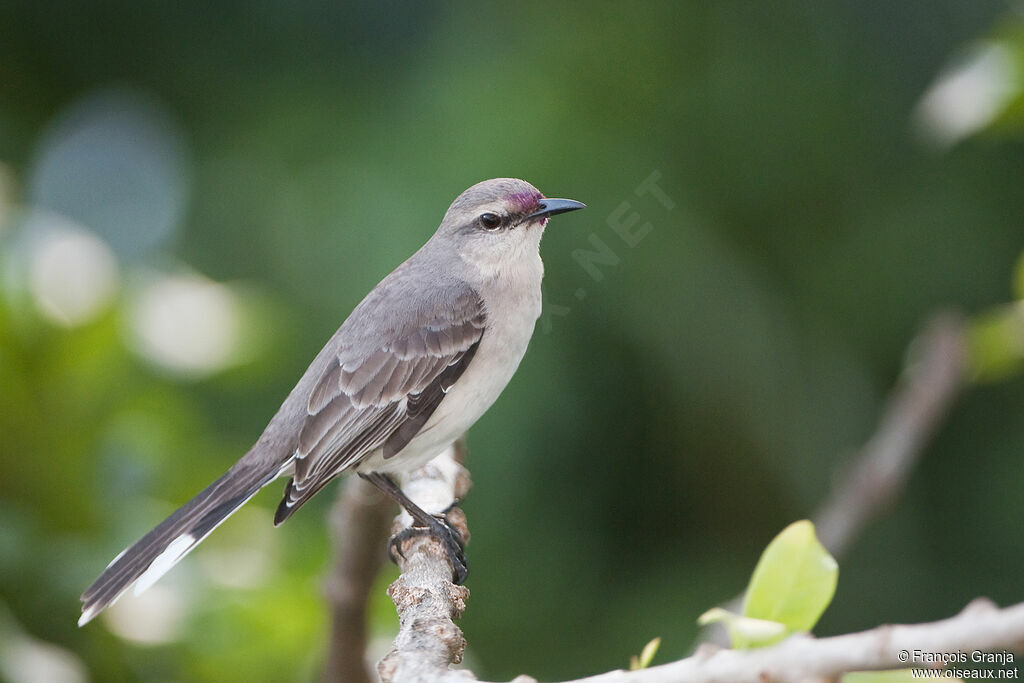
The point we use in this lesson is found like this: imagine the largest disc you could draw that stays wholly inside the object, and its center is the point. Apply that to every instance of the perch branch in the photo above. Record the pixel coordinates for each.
(427, 601)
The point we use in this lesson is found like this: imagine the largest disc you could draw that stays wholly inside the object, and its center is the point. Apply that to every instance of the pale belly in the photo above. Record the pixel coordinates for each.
(501, 349)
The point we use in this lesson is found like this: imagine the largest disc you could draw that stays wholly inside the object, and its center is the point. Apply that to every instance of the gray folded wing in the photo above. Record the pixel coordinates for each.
(381, 387)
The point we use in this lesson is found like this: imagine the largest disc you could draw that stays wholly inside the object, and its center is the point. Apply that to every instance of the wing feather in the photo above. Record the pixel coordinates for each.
(382, 394)
(326, 389)
(374, 392)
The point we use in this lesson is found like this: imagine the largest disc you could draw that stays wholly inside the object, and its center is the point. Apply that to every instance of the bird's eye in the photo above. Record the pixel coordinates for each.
(490, 221)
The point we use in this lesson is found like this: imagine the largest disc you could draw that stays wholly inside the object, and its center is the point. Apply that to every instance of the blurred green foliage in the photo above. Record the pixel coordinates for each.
(669, 416)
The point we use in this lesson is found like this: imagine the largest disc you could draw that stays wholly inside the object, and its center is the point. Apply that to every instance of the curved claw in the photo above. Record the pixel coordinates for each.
(444, 532)
(395, 545)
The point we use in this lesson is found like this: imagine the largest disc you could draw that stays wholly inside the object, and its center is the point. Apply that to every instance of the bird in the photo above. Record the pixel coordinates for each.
(414, 365)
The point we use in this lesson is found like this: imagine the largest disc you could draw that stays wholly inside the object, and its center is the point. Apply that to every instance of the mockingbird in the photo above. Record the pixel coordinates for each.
(417, 362)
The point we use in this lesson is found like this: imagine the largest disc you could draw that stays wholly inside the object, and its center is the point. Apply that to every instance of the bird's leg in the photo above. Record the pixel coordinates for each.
(437, 526)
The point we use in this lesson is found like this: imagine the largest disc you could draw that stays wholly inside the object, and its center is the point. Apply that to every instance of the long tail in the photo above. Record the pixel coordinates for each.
(159, 550)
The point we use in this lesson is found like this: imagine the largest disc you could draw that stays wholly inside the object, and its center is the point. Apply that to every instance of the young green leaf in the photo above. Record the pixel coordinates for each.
(744, 632)
(793, 583)
(995, 343)
(644, 660)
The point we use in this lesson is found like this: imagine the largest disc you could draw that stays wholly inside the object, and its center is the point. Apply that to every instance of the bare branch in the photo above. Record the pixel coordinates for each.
(980, 627)
(935, 374)
(359, 522)
(427, 601)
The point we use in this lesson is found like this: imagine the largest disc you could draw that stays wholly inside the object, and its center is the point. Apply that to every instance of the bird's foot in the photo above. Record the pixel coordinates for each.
(441, 529)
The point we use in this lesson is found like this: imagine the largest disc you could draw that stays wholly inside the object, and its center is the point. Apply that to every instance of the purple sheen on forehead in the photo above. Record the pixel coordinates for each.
(525, 201)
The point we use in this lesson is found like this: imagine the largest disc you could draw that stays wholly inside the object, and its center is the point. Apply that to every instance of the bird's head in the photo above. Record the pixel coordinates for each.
(497, 221)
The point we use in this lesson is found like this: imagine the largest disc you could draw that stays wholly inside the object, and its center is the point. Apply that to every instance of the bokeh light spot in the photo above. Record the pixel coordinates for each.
(73, 275)
(968, 96)
(187, 324)
(115, 162)
(154, 617)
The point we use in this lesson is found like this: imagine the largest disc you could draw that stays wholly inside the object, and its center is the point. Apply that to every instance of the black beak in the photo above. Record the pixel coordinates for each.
(549, 207)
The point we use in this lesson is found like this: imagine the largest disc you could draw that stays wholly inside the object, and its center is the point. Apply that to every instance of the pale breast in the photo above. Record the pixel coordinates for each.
(511, 316)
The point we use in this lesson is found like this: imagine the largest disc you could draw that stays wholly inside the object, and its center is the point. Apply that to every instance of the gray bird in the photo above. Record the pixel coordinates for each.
(418, 361)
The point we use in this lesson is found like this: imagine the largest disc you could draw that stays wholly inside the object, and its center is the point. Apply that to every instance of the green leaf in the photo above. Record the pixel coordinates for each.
(744, 632)
(644, 660)
(995, 343)
(793, 583)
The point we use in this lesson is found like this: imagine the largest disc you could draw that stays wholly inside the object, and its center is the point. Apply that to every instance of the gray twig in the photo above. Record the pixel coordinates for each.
(935, 374)
(981, 627)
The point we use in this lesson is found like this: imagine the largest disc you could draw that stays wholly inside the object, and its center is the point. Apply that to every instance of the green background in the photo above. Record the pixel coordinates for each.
(669, 419)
